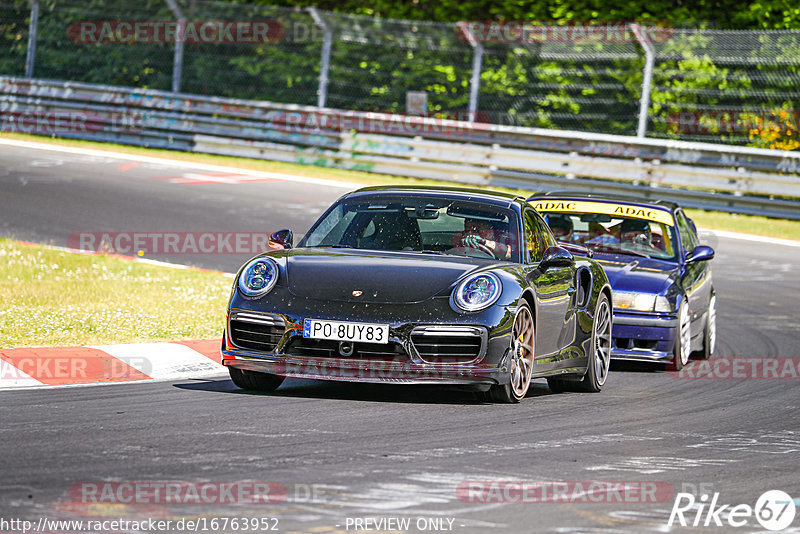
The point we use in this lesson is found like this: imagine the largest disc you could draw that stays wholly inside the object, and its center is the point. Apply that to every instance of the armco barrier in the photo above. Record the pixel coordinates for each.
(737, 179)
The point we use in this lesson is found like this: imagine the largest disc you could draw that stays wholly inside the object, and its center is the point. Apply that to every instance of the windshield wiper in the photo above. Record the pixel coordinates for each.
(340, 246)
(439, 252)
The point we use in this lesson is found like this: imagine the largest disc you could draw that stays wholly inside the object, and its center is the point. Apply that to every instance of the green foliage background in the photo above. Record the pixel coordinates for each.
(374, 62)
(729, 14)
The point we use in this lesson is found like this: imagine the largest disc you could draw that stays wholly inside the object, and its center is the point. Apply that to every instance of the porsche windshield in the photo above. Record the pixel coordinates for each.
(605, 233)
(426, 224)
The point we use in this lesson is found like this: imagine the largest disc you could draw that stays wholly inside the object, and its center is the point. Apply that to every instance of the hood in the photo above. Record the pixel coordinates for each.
(638, 274)
(382, 277)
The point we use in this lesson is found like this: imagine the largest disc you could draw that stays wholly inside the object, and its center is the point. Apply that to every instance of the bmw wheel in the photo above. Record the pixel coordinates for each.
(710, 334)
(683, 339)
(521, 360)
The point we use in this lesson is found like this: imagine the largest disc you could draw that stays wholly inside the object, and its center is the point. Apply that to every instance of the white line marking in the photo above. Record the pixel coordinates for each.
(133, 258)
(299, 179)
(752, 237)
(650, 465)
(182, 164)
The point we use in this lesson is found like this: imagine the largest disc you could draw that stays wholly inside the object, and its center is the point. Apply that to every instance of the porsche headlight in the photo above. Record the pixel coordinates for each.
(641, 302)
(478, 292)
(258, 277)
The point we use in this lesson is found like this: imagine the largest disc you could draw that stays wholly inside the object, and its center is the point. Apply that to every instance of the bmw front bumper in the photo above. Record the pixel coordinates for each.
(643, 337)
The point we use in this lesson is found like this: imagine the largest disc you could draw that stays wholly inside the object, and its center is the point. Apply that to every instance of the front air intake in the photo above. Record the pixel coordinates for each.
(456, 344)
(256, 331)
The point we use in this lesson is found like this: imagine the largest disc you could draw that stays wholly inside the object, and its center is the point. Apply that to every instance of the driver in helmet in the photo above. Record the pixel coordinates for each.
(479, 234)
(635, 234)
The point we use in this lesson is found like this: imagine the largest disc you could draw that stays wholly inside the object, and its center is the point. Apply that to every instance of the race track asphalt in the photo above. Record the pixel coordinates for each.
(347, 451)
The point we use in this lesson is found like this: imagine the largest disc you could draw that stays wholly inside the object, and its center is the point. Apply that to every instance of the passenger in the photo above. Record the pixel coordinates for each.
(599, 236)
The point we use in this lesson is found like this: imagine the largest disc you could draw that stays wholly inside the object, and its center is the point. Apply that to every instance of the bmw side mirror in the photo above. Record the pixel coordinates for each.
(700, 253)
(556, 257)
(284, 238)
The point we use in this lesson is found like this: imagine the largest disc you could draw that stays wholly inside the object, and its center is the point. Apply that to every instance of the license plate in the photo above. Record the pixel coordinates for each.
(342, 331)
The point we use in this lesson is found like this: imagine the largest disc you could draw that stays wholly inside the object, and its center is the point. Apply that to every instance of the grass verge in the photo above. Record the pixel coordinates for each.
(713, 220)
(55, 298)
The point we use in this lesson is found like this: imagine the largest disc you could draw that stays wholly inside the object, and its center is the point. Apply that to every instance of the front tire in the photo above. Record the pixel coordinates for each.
(522, 358)
(254, 381)
(710, 334)
(683, 339)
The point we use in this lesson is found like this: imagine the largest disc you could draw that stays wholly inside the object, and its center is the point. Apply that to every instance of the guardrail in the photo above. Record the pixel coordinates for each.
(736, 179)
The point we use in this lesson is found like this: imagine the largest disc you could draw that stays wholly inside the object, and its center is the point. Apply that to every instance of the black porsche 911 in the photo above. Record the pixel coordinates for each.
(419, 285)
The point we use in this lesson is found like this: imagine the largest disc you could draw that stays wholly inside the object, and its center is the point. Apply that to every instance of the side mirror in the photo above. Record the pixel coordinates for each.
(700, 253)
(556, 257)
(284, 238)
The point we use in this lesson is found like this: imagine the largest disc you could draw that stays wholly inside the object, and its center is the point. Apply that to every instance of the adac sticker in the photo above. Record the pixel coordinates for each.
(608, 208)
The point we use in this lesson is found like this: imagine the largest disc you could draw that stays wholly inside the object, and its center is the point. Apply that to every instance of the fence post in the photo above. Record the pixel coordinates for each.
(477, 66)
(325, 58)
(32, 30)
(180, 37)
(647, 79)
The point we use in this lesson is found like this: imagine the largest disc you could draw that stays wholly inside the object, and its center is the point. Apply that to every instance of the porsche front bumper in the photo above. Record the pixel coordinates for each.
(417, 353)
(365, 370)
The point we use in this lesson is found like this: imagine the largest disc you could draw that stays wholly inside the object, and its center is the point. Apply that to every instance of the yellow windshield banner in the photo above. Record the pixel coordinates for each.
(615, 209)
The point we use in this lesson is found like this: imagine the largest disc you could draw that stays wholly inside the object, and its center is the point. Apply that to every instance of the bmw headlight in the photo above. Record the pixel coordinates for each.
(258, 277)
(645, 302)
(663, 305)
(478, 292)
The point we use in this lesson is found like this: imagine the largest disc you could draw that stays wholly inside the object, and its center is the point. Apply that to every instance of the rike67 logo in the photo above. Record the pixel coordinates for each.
(774, 510)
